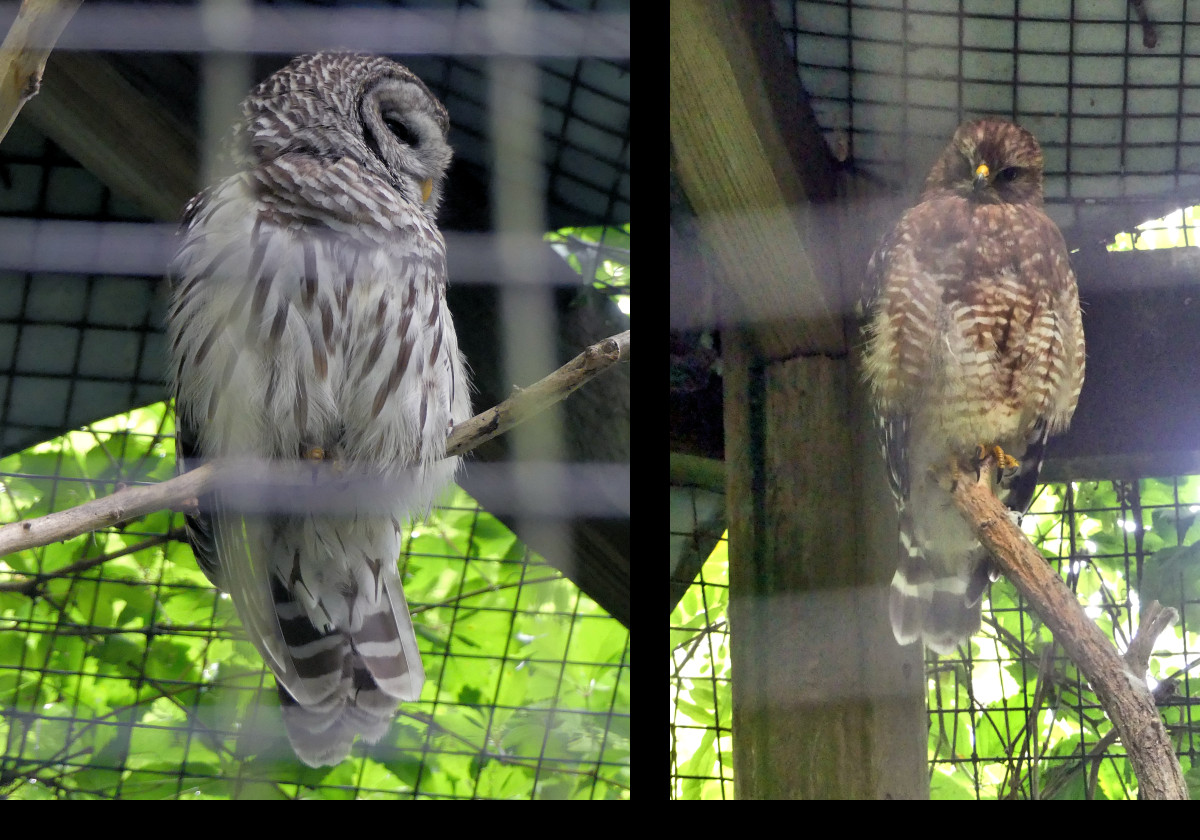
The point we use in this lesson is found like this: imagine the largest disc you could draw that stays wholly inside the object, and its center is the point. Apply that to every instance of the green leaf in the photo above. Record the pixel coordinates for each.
(1172, 577)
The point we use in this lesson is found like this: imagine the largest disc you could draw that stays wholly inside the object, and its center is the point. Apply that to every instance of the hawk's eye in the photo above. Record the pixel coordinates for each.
(1007, 175)
(401, 131)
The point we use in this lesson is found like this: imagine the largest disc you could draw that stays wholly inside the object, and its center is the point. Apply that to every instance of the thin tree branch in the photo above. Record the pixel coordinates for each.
(1154, 620)
(295, 482)
(32, 582)
(25, 50)
(1121, 691)
(526, 402)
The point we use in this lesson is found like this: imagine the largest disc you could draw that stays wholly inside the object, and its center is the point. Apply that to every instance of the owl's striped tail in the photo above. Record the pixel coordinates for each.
(346, 684)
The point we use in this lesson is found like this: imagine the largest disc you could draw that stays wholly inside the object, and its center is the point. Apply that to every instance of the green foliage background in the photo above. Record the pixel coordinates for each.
(601, 253)
(701, 693)
(1015, 719)
(124, 674)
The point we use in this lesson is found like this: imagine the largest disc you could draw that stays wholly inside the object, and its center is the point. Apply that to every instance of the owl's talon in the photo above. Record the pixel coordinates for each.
(317, 455)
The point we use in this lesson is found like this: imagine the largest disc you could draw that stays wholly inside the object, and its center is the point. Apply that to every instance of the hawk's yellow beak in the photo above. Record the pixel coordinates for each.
(981, 175)
(427, 188)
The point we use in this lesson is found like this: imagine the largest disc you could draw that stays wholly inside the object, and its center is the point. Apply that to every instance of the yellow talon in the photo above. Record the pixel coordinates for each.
(315, 454)
(1004, 461)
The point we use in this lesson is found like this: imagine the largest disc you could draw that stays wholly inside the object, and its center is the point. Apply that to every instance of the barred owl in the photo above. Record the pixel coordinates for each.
(308, 320)
(974, 338)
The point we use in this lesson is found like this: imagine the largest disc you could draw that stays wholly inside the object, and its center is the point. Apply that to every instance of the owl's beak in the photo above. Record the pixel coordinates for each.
(982, 174)
(426, 189)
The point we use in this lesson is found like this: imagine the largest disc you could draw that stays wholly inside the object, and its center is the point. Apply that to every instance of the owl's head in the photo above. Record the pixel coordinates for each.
(364, 107)
(989, 161)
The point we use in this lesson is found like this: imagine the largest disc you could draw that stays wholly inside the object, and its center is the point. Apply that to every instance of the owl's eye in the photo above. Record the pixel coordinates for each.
(401, 132)
(1008, 174)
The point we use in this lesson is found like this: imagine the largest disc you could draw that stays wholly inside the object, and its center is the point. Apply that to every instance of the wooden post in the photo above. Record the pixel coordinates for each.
(825, 705)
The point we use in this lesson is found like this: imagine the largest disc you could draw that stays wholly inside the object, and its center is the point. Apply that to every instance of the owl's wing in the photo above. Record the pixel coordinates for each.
(218, 540)
(199, 525)
(891, 426)
(217, 368)
(1055, 352)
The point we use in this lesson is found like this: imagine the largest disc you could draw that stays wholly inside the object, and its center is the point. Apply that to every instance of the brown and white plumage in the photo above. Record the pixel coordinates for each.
(308, 321)
(974, 337)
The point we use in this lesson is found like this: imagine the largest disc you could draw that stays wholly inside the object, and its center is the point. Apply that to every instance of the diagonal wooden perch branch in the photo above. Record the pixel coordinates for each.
(133, 502)
(25, 50)
(1122, 692)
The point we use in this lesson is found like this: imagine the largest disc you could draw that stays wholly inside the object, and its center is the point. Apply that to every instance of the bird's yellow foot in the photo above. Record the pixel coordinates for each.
(1004, 462)
(317, 455)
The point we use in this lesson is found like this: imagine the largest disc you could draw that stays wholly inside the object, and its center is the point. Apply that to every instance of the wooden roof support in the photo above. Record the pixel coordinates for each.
(824, 704)
(751, 160)
(118, 133)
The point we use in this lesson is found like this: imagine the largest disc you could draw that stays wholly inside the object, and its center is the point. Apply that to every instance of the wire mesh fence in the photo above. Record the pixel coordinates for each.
(1010, 717)
(1014, 718)
(124, 674)
(701, 696)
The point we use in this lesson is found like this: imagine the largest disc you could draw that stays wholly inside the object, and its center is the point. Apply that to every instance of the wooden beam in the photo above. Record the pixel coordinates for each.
(825, 705)
(750, 161)
(116, 132)
(1139, 411)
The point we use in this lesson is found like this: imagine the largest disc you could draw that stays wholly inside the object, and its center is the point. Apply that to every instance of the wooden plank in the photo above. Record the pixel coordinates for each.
(825, 706)
(740, 174)
(1137, 412)
(127, 141)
